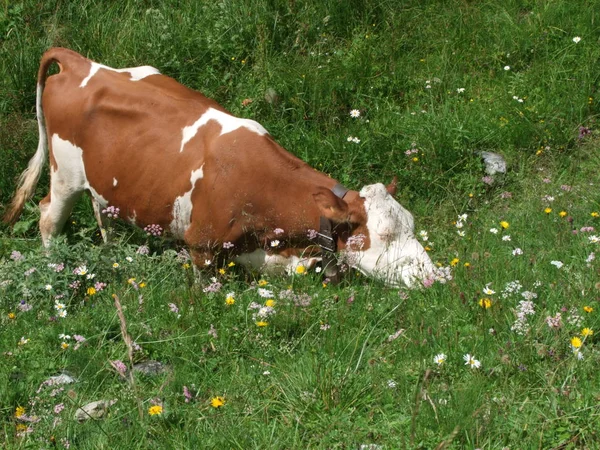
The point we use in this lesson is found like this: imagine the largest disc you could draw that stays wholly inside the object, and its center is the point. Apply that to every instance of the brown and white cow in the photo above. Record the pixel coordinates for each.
(166, 155)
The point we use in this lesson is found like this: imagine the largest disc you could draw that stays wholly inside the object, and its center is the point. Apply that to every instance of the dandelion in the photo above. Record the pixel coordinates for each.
(355, 113)
(548, 210)
(217, 402)
(454, 262)
(12, 316)
(576, 39)
(440, 359)
(262, 283)
(262, 323)
(587, 332)
(588, 309)
(595, 214)
(91, 291)
(576, 342)
(471, 361)
(155, 410)
(19, 411)
(562, 213)
(504, 224)
(270, 303)
(300, 269)
(222, 271)
(485, 303)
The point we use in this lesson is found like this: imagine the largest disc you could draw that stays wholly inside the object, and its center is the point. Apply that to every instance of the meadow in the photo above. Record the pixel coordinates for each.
(500, 353)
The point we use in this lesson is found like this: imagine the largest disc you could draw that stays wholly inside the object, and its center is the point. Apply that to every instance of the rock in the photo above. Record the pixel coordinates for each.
(63, 378)
(271, 96)
(494, 163)
(93, 410)
(150, 368)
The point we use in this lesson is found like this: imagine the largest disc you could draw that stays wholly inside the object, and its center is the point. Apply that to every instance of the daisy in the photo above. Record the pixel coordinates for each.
(576, 39)
(487, 290)
(440, 359)
(471, 361)
(506, 237)
(355, 113)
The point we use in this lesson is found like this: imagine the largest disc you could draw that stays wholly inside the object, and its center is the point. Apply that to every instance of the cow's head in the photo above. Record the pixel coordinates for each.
(381, 243)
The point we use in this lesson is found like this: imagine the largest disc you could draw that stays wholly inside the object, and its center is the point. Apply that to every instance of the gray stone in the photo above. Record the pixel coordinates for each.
(494, 163)
(93, 410)
(150, 368)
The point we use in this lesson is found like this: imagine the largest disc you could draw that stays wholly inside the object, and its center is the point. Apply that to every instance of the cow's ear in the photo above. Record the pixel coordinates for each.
(393, 186)
(331, 206)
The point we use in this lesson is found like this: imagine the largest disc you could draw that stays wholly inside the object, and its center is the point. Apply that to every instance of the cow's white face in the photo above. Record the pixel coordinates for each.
(394, 255)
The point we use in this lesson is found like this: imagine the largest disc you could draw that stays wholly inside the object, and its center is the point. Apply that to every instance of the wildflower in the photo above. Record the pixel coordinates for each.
(229, 298)
(424, 235)
(506, 238)
(231, 264)
(554, 322)
(12, 315)
(129, 259)
(355, 113)
(155, 410)
(415, 159)
(595, 214)
(494, 230)
(300, 269)
(471, 361)
(557, 264)
(576, 342)
(227, 245)
(222, 271)
(275, 243)
(173, 307)
(593, 239)
(504, 224)
(119, 366)
(262, 283)
(325, 326)
(64, 345)
(270, 303)
(576, 39)
(115, 265)
(262, 323)
(81, 270)
(517, 251)
(524, 309)
(562, 213)
(187, 394)
(391, 384)
(467, 264)
(487, 290)
(548, 210)
(91, 291)
(153, 230)
(485, 303)
(507, 68)
(19, 411)
(440, 359)
(460, 90)
(587, 332)
(393, 337)
(265, 293)
(58, 408)
(16, 256)
(213, 331)
(48, 287)
(588, 309)
(23, 340)
(217, 402)
(454, 262)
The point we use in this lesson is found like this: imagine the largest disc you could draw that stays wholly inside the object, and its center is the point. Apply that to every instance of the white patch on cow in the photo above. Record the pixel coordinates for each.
(260, 260)
(182, 207)
(135, 73)
(69, 175)
(228, 124)
(395, 255)
(115, 182)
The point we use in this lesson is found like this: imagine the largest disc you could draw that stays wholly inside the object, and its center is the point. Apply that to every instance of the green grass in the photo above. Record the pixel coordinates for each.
(297, 383)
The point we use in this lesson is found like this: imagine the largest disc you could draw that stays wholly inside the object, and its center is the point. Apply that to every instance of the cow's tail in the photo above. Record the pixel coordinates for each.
(29, 178)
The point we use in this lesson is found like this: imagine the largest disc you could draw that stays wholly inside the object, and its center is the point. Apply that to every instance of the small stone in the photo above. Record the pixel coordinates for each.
(93, 410)
(271, 96)
(494, 163)
(63, 378)
(150, 368)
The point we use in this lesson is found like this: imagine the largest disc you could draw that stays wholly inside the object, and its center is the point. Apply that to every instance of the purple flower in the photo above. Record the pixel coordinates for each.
(119, 366)
(143, 250)
(312, 234)
(213, 287)
(112, 212)
(29, 271)
(488, 180)
(583, 132)
(187, 394)
(566, 187)
(278, 231)
(506, 194)
(16, 256)
(213, 331)
(99, 286)
(227, 245)
(24, 306)
(173, 307)
(58, 408)
(153, 230)
(75, 285)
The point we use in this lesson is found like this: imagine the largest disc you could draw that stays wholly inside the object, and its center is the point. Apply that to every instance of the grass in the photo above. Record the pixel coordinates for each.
(336, 366)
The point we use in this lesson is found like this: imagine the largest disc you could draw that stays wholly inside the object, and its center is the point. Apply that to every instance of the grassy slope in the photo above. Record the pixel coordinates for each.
(330, 388)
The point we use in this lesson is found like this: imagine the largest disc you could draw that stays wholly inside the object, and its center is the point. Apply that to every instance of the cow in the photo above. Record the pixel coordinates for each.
(169, 159)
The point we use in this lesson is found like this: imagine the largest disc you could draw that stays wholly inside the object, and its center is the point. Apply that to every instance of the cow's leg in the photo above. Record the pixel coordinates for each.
(55, 209)
(104, 222)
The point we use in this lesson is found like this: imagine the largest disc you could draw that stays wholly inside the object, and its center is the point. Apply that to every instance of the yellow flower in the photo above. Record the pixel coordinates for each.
(131, 280)
(467, 264)
(186, 266)
(217, 402)
(262, 283)
(12, 315)
(595, 214)
(142, 284)
(230, 300)
(548, 210)
(504, 224)
(21, 427)
(270, 303)
(155, 410)
(20, 411)
(562, 213)
(64, 345)
(115, 265)
(576, 342)
(588, 309)
(300, 269)
(485, 303)
(470, 195)
(324, 284)
(587, 332)
(454, 262)
(231, 264)
(91, 291)
(262, 323)
(415, 159)
(222, 271)
(427, 248)
(539, 152)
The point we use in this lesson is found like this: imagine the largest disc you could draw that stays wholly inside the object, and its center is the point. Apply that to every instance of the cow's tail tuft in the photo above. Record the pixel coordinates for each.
(29, 178)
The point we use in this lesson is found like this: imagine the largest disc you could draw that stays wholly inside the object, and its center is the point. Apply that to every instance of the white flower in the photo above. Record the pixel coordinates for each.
(576, 39)
(440, 359)
(460, 90)
(129, 259)
(487, 290)
(265, 293)
(81, 270)
(461, 233)
(266, 373)
(48, 287)
(59, 306)
(459, 224)
(318, 269)
(506, 67)
(355, 113)
(557, 264)
(62, 313)
(391, 384)
(64, 336)
(506, 237)
(23, 340)
(275, 243)
(471, 361)
(356, 140)
(463, 217)
(593, 239)
(494, 230)
(424, 235)
(207, 262)
(517, 251)
(90, 276)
